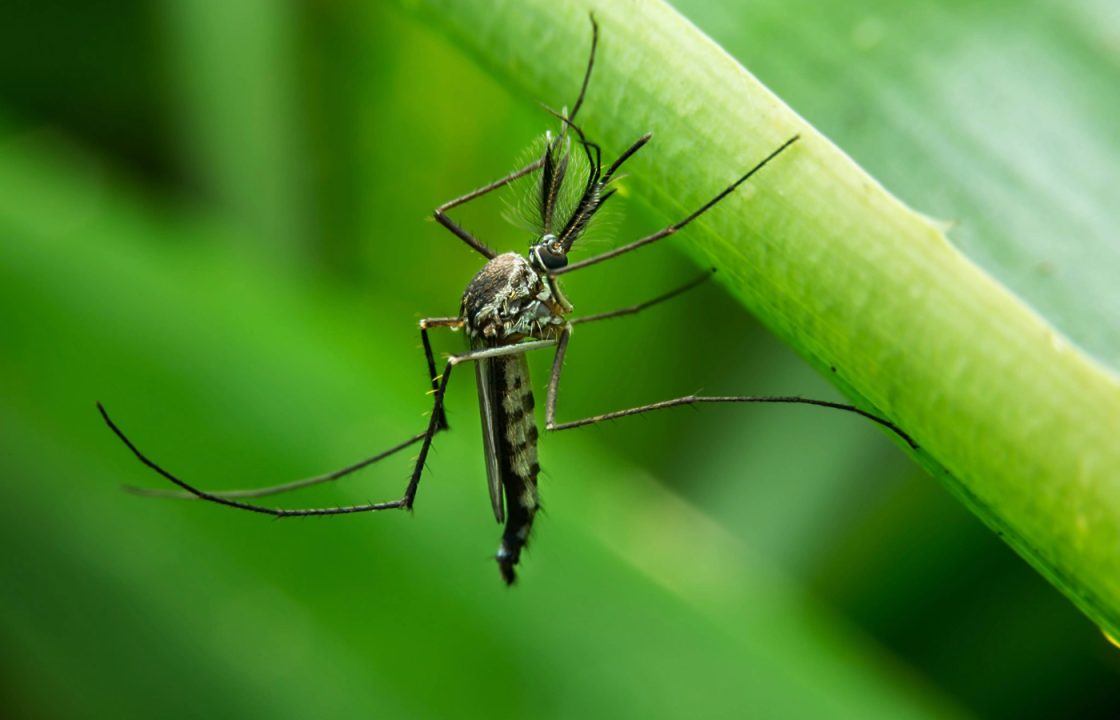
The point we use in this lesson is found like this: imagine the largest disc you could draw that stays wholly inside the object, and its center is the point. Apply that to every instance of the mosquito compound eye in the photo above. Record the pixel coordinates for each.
(549, 253)
(553, 259)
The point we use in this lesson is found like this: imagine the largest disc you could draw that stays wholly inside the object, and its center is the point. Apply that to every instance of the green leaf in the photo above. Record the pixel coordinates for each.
(1016, 419)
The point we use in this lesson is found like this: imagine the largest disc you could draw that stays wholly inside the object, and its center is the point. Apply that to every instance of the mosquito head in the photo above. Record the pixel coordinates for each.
(548, 254)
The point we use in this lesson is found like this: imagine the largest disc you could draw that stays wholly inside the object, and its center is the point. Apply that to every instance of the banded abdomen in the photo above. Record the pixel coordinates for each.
(510, 433)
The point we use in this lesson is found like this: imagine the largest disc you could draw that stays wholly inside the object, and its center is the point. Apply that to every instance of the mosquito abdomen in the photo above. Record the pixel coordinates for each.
(519, 457)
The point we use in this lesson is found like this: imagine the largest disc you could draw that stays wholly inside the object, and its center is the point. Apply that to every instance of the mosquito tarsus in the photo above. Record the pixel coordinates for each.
(513, 306)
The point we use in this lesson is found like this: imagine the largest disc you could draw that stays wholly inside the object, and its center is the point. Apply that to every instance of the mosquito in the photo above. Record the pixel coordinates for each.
(511, 307)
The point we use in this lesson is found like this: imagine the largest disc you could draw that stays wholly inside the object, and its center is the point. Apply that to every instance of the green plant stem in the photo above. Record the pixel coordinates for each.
(1018, 423)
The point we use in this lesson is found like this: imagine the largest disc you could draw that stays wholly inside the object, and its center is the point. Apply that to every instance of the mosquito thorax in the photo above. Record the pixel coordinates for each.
(510, 300)
(548, 254)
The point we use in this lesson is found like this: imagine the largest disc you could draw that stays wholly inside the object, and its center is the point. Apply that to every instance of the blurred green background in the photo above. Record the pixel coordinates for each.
(213, 218)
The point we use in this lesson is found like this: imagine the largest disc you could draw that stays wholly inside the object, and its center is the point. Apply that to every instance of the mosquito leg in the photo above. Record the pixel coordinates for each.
(697, 399)
(634, 309)
(500, 351)
(404, 502)
(283, 487)
(414, 481)
(554, 379)
(626, 155)
(229, 502)
(458, 230)
(590, 65)
(425, 324)
(667, 231)
(337, 474)
(554, 387)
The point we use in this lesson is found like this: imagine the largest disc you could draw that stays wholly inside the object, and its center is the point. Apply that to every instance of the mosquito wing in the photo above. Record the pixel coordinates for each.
(489, 408)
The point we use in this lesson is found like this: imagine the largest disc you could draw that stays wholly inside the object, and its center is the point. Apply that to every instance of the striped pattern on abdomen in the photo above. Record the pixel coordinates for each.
(520, 467)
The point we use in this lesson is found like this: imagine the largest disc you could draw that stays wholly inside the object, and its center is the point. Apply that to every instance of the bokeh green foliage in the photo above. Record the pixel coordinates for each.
(212, 219)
